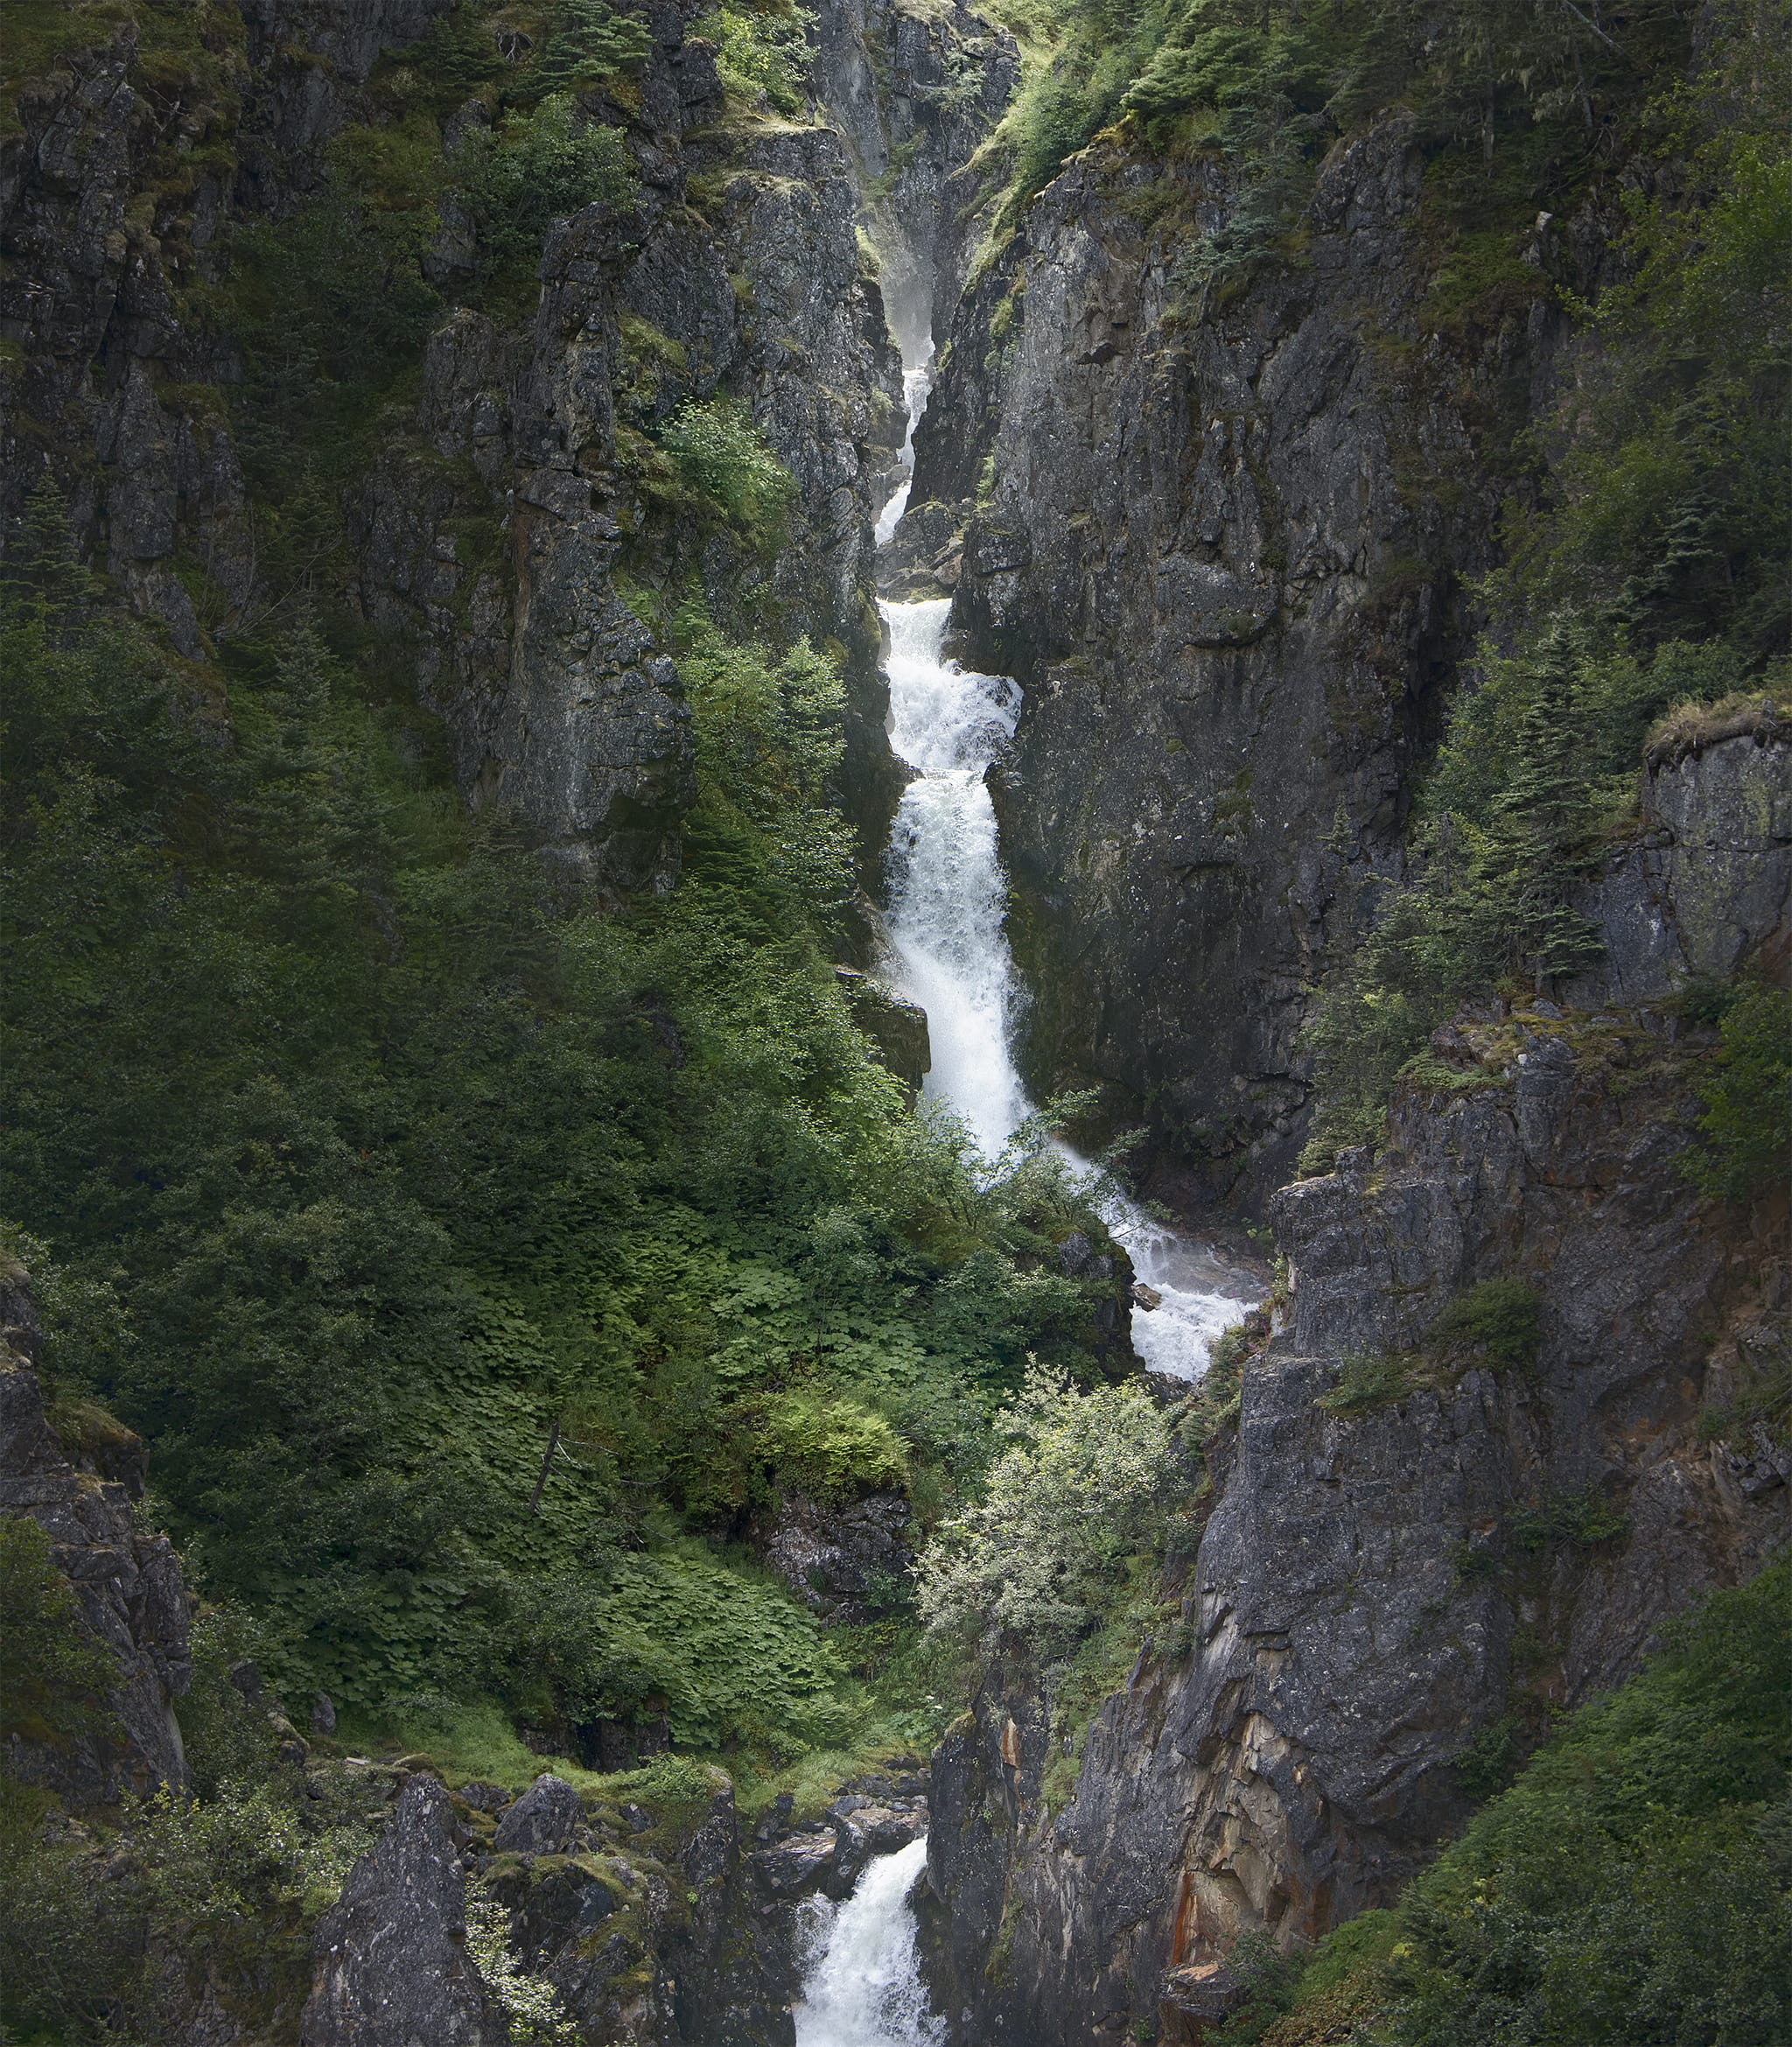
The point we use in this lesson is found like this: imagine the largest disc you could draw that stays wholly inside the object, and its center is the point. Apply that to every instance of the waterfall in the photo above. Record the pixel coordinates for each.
(948, 899)
(862, 1986)
(915, 396)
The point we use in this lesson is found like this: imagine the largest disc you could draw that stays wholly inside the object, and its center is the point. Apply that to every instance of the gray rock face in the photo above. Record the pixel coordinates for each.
(1705, 888)
(505, 538)
(392, 1966)
(127, 1585)
(828, 1556)
(1220, 545)
(113, 392)
(1375, 1583)
(506, 532)
(542, 1821)
(913, 93)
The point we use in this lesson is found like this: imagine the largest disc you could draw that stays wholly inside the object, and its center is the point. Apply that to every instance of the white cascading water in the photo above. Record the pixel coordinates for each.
(947, 897)
(862, 1988)
(915, 396)
(948, 901)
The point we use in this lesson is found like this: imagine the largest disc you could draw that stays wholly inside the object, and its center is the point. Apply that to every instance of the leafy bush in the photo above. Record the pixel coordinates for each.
(724, 456)
(761, 49)
(723, 1656)
(512, 181)
(832, 1448)
(1503, 1315)
(54, 1676)
(1083, 1485)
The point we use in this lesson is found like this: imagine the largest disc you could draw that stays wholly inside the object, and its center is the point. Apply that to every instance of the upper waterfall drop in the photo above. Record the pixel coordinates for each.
(948, 899)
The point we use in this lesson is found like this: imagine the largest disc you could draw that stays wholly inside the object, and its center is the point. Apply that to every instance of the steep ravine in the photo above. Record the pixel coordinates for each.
(1222, 549)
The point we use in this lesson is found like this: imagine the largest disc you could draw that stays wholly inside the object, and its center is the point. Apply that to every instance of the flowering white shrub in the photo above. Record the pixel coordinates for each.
(1081, 1487)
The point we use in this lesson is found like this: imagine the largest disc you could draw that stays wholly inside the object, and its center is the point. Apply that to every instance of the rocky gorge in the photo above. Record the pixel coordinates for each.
(1237, 530)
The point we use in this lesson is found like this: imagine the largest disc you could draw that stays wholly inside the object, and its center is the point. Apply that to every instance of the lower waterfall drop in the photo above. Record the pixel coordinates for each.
(948, 899)
(862, 1986)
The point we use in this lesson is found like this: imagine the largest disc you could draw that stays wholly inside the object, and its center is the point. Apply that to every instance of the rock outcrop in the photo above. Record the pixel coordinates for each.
(393, 1967)
(518, 539)
(1414, 1552)
(913, 91)
(127, 1583)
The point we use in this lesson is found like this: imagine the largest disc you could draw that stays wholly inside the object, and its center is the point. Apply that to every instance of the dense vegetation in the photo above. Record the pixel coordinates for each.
(362, 1165)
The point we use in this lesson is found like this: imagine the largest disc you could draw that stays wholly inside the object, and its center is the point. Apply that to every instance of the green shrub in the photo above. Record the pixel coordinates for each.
(1368, 1380)
(1083, 1486)
(54, 1678)
(1582, 1520)
(1502, 1315)
(761, 49)
(832, 1448)
(724, 456)
(590, 41)
(512, 181)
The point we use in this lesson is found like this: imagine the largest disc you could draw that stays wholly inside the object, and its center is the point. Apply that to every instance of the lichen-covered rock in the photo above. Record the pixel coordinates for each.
(832, 1556)
(543, 1821)
(126, 1584)
(392, 1966)
(1704, 889)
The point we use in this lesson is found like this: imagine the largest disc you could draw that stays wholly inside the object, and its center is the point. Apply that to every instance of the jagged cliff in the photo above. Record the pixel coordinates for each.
(1223, 539)
(501, 544)
(1414, 1549)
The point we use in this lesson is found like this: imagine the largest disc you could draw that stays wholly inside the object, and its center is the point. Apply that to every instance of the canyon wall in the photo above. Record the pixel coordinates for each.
(1416, 1551)
(1221, 536)
(514, 544)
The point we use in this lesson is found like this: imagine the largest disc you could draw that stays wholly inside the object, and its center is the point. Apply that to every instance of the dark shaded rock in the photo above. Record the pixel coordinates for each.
(839, 1560)
(796, 1865)
(323, 1714)
(127, 1585)
(898, 1028)
(486, 1797)
(543, 1821)
(1359, 1605)
(392, 1966)
(1198, 546)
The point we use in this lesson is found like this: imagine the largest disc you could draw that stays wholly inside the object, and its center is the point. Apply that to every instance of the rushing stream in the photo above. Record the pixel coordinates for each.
(862, 1988)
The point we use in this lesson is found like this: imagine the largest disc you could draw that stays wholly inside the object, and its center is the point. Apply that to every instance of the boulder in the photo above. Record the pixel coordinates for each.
(543, 1821)
(392, 1966)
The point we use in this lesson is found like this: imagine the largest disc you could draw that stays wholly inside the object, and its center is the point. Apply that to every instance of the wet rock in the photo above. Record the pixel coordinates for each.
(392, 1966)
(543, 1821)
(898, 1028)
